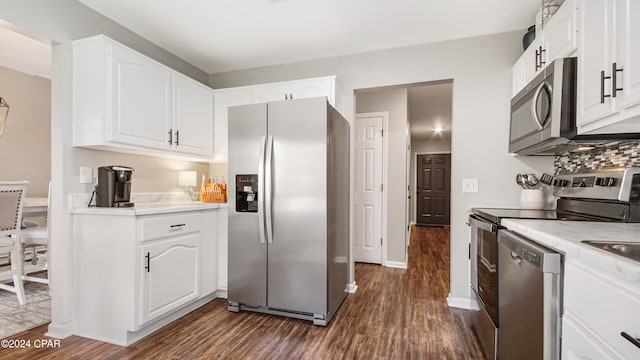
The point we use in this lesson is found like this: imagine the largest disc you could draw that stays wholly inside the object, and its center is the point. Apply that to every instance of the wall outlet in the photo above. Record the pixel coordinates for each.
(469, 185)
(86, 175)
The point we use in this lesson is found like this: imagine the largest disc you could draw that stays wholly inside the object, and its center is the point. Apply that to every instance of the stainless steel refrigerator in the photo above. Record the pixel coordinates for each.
(288, 208)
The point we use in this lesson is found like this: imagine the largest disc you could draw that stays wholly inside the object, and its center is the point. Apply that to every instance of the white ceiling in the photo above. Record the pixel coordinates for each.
(429, 106)
(224, 35)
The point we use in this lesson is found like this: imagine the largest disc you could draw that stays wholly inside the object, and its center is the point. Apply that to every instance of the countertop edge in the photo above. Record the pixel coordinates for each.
(565, 237)
(147, 209)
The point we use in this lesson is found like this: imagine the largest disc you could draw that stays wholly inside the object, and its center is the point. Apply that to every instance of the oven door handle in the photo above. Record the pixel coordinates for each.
(482, 224)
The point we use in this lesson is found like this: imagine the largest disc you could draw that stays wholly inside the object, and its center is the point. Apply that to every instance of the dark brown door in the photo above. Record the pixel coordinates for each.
(433, 189)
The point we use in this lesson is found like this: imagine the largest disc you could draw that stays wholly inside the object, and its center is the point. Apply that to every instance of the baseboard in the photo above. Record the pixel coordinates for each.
(60, 331)
(352, 287)
(462, 303)
(221, 293)
(396, 264)
(156, 325)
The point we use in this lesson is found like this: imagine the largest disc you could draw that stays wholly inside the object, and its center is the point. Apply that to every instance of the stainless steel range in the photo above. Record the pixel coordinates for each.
(611, 195)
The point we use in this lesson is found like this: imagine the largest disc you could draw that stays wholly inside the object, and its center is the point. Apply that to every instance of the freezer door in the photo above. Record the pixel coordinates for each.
(297, 269)
(247, 247)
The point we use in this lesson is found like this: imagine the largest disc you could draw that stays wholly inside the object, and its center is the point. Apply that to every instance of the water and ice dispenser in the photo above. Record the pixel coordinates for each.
(247, 193)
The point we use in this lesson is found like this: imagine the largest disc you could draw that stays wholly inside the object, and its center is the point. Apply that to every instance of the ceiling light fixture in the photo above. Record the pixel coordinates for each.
(438, 129)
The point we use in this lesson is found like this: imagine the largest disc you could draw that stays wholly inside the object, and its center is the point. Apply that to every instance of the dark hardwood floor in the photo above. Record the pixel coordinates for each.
(395, 314)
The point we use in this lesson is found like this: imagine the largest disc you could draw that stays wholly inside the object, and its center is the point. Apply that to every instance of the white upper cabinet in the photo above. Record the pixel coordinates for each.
(609, 67)
(141, 99)
(629, 54)
(295, 90)
(287, 90)
(193, 117)
(125, 101)
(556, 40)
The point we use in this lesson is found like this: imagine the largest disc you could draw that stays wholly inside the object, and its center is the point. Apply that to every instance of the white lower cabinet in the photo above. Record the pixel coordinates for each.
(169, 276)
(604, 308)
(578, 344)
(136, 273)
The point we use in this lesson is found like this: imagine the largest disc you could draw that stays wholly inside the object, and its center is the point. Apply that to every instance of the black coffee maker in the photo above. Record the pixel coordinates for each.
(114, 186)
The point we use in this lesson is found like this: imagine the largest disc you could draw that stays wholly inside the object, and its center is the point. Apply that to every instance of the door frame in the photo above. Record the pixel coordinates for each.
(415, 182)
(385, 177)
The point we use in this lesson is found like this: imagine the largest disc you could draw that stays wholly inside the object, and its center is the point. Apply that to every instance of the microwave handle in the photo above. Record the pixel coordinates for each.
(534, 113)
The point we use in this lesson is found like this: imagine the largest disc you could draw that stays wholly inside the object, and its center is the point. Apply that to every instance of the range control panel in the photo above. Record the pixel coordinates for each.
(607, 184)
(590, 181)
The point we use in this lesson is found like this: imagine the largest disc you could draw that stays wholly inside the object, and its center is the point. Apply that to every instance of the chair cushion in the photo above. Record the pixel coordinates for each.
(38, 232)
(6, 241)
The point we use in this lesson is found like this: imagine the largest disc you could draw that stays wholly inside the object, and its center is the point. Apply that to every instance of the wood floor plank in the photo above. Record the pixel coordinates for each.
(395, 314)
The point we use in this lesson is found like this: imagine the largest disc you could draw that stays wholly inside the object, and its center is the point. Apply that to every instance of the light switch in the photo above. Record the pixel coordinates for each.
(86, 175)
(470, 185)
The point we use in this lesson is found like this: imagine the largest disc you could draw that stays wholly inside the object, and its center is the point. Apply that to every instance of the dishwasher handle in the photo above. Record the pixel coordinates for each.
(548, 260)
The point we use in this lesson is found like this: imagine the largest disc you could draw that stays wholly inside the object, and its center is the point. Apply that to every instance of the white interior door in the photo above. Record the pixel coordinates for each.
(369, 164)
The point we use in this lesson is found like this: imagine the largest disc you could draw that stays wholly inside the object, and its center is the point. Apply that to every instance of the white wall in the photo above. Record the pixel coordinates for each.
(437, 144)
(25, 147)
(63, 21)
(481, 71)
(395, 102)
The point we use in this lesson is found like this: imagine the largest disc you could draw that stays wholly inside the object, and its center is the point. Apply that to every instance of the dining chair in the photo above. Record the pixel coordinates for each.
(11, 203)
(34, 237)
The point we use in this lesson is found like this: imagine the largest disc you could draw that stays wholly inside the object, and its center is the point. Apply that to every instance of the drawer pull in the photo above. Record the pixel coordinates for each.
(177, 226)
(634, 341)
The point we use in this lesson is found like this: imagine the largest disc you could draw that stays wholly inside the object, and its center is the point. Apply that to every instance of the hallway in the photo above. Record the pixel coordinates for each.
(395, 314)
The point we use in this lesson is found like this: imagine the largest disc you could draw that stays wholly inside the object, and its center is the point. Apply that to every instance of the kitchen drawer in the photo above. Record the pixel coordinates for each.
(604, 307)
(578, 344)
(157, 227)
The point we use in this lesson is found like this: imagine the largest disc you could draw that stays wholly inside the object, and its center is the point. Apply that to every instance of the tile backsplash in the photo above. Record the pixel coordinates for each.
(617, 154)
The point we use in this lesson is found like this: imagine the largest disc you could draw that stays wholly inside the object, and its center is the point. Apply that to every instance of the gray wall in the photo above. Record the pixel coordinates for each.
(63, 21)
(395, 102)
(481, 71)
(25, 147)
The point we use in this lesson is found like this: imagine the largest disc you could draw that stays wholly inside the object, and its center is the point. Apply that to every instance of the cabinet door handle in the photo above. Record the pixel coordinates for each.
(148, 259)
(290, 96)
(177, 137)
(286, 96)
(542, 63)
(170, 132)
(633, 340)
(602, 79)
(614, 80)
(537, 66)
(177, 226)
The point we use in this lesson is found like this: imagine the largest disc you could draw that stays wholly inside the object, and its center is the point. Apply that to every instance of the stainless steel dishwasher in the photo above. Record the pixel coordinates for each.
(529, 299)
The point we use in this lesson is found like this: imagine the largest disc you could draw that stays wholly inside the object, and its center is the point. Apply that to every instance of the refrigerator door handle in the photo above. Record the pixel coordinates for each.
(268, 190)
(261, 191)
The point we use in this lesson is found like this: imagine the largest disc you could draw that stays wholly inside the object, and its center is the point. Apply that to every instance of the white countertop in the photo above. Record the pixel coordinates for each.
(566, 237)
(150, 208)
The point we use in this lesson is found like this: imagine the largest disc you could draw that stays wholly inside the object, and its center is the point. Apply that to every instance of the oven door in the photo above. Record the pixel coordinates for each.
(484, 264)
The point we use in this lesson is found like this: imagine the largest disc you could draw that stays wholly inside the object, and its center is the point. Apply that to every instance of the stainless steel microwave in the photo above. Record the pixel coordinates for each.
(543, 114)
